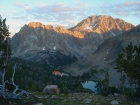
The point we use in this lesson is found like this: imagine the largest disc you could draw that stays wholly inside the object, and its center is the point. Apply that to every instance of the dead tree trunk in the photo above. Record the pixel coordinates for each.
(16, 93)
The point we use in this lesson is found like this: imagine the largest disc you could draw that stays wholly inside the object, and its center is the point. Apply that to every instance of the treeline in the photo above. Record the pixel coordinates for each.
(34, 76)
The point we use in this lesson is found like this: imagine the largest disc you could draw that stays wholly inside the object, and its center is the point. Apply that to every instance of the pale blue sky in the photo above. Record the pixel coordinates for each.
(66, 13)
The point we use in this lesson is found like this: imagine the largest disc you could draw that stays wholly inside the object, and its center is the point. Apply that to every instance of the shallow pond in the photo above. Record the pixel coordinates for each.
(90, 85)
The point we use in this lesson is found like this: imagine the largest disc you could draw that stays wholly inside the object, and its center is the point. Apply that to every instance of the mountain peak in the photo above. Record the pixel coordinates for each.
(60, 28)
(102, 24)
(39, 24)
(35, 24)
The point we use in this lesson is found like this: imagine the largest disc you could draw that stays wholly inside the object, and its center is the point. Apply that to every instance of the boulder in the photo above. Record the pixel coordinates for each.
(51, 89)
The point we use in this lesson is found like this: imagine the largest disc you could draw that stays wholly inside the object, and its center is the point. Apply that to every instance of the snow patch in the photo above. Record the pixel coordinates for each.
(91, 26)
(43, 48)
(113, 34)
(54, 47)
(87, 26)
(109, 49)
(94, 25)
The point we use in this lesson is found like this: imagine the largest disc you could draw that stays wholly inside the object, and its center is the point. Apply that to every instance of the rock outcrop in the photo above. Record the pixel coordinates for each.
(51, 89)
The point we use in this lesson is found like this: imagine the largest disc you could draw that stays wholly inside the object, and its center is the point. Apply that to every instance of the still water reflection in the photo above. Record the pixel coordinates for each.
(90, 85)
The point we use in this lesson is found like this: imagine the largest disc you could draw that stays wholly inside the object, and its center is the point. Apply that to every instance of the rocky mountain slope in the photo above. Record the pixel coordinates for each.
(104, 57)
(106, 26)
(58, 46)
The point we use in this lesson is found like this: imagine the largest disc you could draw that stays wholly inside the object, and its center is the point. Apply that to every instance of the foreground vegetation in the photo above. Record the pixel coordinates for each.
(72, 99)
(84, 99)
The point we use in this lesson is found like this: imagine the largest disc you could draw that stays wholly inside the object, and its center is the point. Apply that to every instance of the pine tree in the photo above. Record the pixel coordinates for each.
(119, 68)
(5, 52)
(106, 84)
(137, 65)
(129, 63)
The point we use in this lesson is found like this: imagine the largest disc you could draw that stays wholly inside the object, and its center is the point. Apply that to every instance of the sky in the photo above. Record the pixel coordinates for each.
(65, 13)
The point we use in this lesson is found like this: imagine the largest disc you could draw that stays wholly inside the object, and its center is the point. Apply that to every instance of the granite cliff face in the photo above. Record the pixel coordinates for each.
(58, 46)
